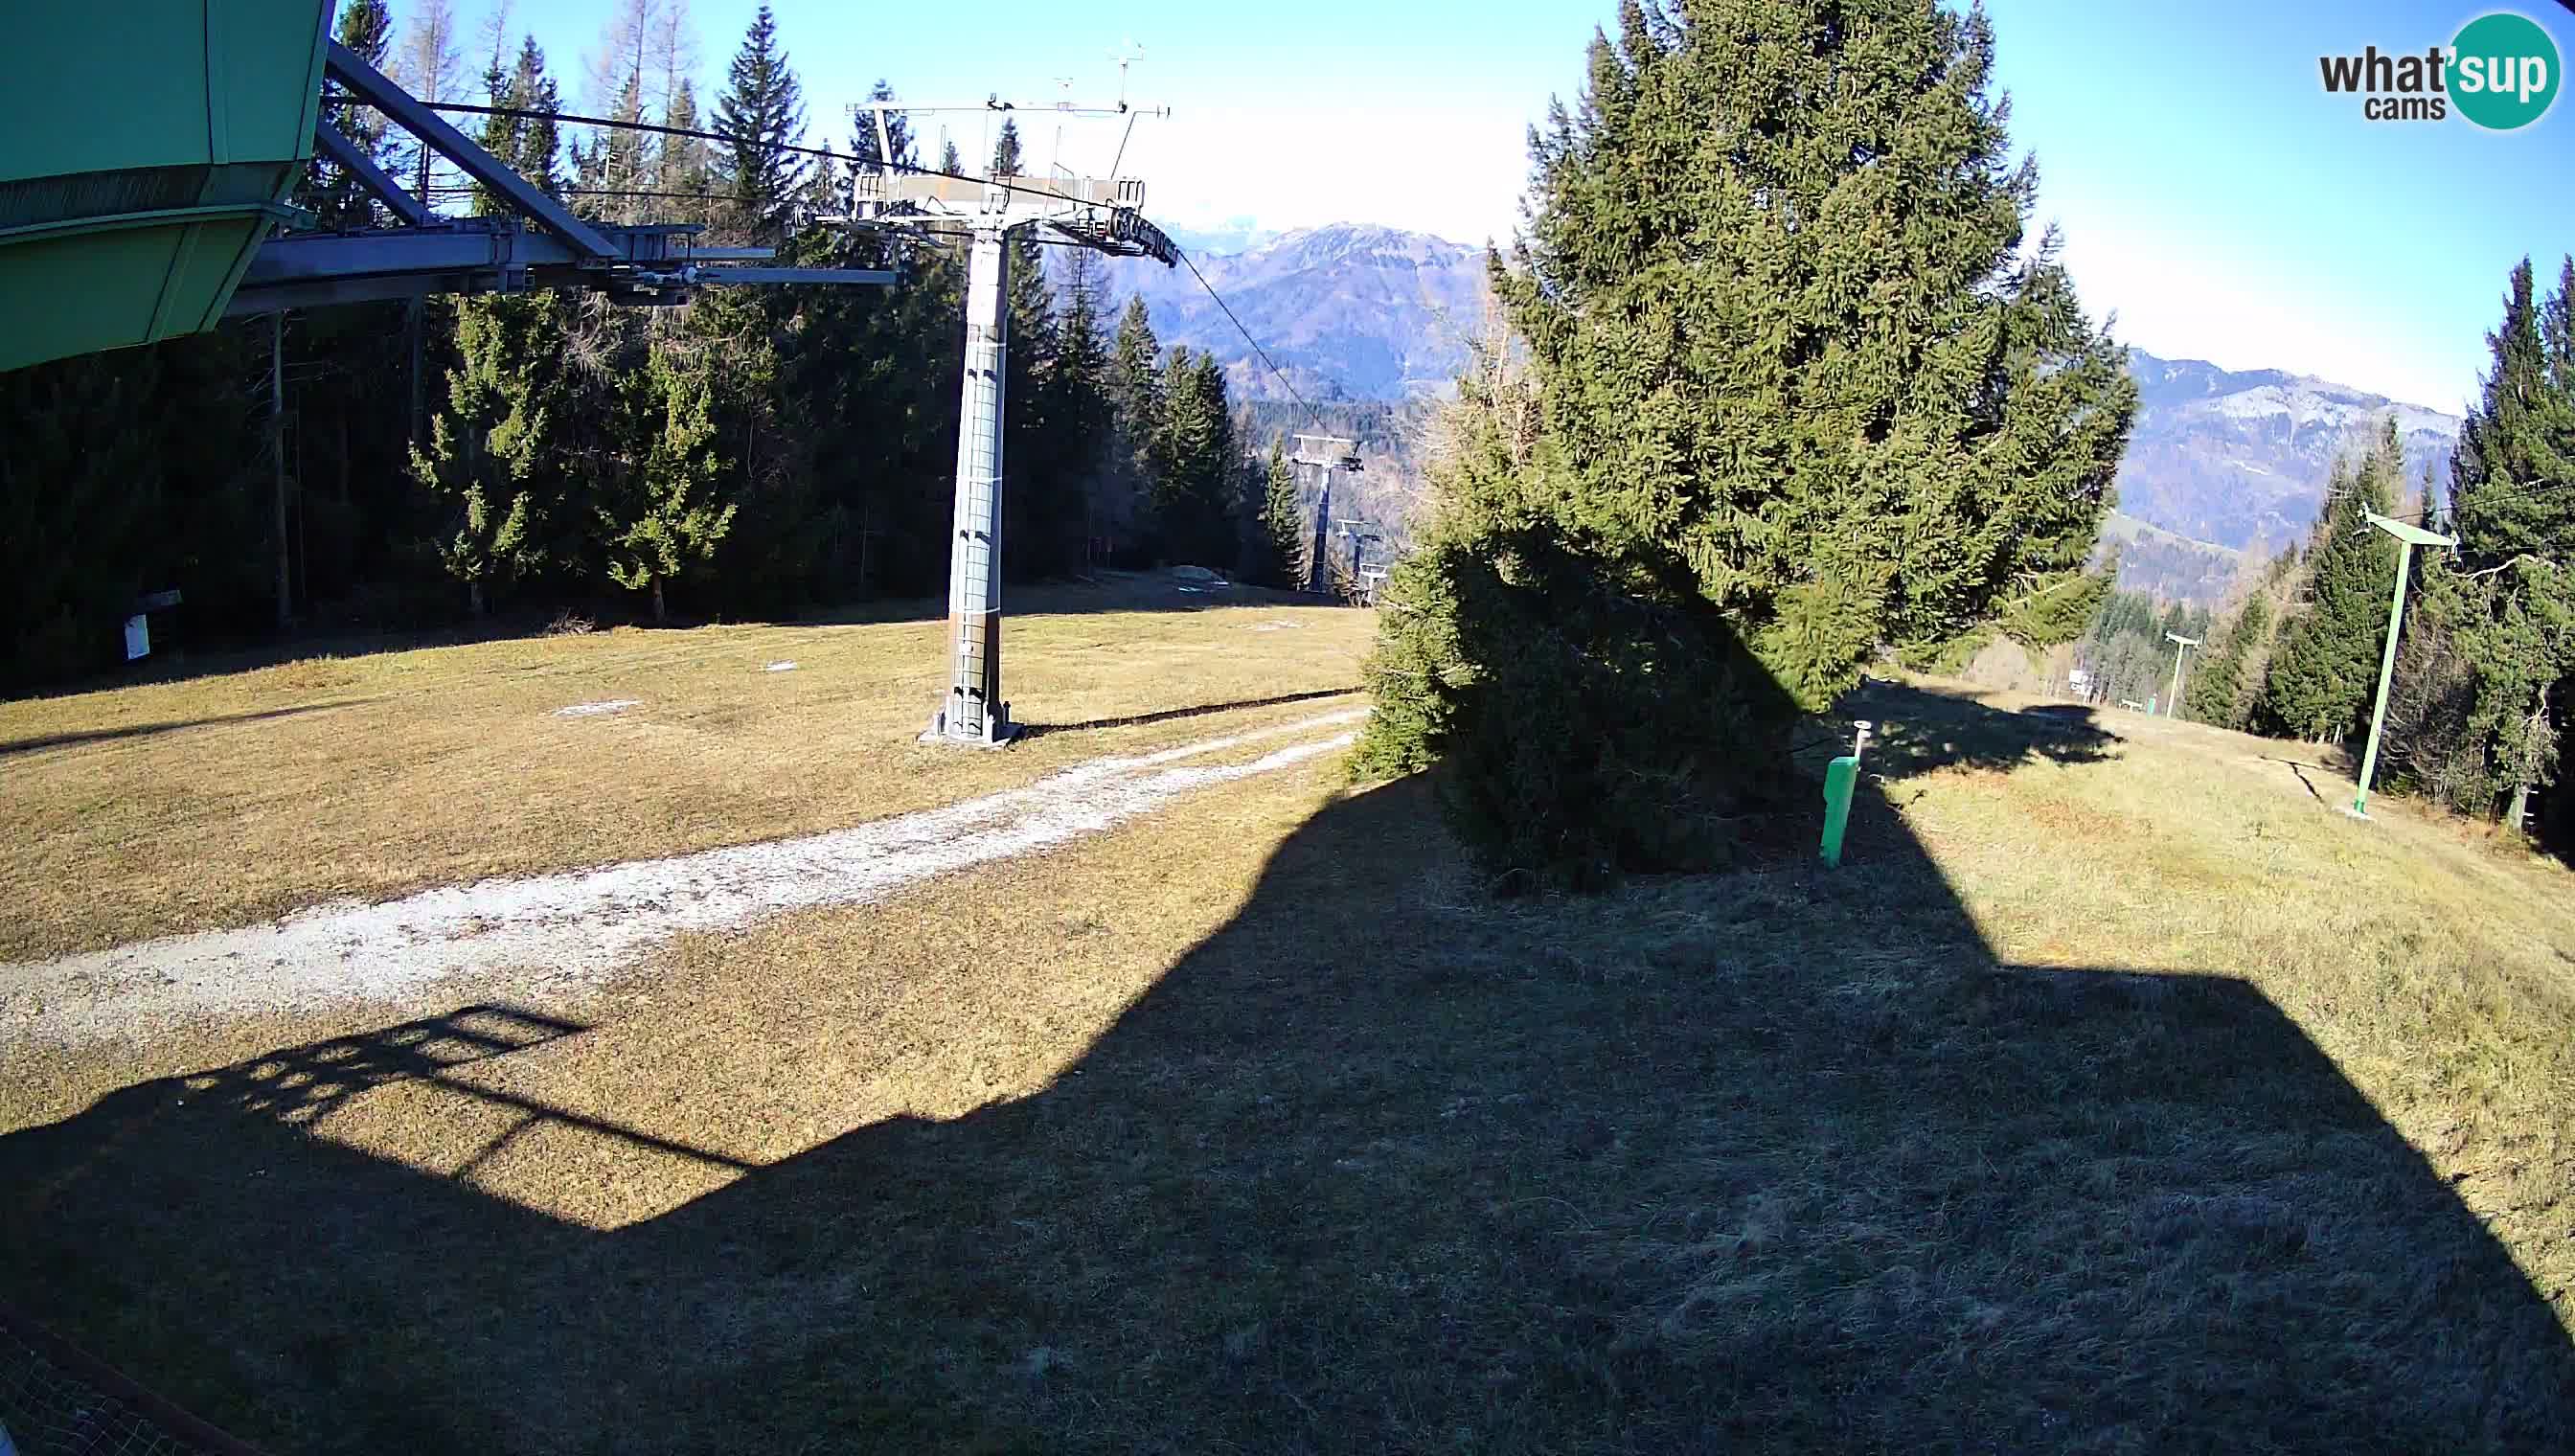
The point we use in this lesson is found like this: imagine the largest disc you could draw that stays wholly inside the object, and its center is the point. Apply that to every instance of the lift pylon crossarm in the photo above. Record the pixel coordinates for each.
(379, 182)
(650, 263)
(371, 85)
(656, 264)
(1104, 213)
(1329, 452)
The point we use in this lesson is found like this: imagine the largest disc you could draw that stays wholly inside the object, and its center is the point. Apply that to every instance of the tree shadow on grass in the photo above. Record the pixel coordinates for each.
(10, 747)
(1175, 714)
(1776, 1159)
(1916, 731)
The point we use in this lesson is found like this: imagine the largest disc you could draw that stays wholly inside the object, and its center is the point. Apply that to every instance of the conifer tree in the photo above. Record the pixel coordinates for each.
(1135, 406)
(83, 486)
(1802, 383)
(2513, 502)
(1077, 407)
(2326, 671)
(621, 161)
(2217, 684)
(687, 167)
(1279, 546)
(864, 146)
(669, 519)
(1193, 500)
(762, 110)
(485, 448)
(365, 27)
(530, 145)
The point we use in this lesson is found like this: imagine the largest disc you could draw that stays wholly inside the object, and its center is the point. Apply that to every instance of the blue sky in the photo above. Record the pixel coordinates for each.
(2211, 193)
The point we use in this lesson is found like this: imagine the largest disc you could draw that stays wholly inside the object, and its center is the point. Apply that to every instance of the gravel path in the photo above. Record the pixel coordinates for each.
(561, 930)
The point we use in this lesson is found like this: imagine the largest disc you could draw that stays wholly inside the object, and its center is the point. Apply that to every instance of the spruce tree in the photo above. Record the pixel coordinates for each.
(864, 146)
(1803, 383)
(687, 168)
(531, 146)
(669, 519)
(1278, 545)
(2515, 460)
(1193, 500)
(623, 160)
(84, 486)
(762, 110)
(2514, 501)
(1043, 499)
(2326, 671)
(1078, 423)
(485, 450)
(2217, 682)
(365, 27)
(1136, 408)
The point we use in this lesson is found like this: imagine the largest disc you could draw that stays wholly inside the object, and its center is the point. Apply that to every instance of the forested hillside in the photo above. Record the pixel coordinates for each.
(762, 450)
(2485, 663)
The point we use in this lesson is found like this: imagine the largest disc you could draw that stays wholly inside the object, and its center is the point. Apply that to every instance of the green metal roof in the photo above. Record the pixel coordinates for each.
(145, 154)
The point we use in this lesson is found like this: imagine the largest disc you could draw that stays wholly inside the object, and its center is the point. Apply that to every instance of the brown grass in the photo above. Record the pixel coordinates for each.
(2116, 1096)
(224, 800)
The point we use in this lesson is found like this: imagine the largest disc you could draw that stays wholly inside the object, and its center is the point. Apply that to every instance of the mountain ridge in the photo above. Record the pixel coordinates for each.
(1355, 311)
(2240, 457)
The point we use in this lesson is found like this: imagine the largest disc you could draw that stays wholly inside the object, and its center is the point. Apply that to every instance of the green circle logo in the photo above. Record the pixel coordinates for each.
(2503, 71)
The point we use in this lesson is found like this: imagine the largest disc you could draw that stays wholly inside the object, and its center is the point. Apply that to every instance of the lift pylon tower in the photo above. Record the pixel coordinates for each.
(1327, 453)
(1102, 214)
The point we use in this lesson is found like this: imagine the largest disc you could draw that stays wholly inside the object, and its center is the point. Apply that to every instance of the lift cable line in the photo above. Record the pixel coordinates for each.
(522, 113)
(2522, 494)
(1313, 414)
(1283, 382)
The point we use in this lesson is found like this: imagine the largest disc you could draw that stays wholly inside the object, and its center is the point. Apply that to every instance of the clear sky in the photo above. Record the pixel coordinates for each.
(2211, 193)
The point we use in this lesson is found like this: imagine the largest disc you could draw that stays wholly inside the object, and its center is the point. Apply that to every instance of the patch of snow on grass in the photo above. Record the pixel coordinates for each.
(593, 710)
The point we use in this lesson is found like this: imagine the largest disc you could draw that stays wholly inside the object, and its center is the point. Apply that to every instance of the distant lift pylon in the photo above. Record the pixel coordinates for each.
(1327, 454)
(1102, 214)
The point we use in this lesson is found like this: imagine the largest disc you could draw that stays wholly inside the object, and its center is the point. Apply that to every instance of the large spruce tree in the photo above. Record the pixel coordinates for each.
(494, 461)
(2326, 671)
(1194, 484)
(1136, 408)
(761, 111)
(1076, 408)
(2514, 501)
(1803, 386)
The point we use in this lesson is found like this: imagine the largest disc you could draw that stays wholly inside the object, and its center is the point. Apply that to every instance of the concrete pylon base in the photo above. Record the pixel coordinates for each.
(1000, 731)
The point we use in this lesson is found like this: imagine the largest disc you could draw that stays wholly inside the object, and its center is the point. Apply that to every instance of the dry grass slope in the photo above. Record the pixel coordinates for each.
(2117, 1095)
(226, 799)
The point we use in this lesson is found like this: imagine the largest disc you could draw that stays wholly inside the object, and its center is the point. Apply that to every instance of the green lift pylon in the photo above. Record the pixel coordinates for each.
(2408, 538)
